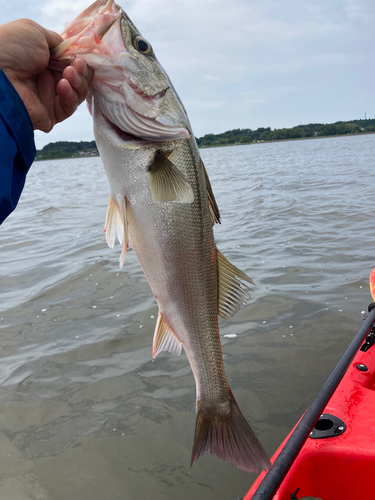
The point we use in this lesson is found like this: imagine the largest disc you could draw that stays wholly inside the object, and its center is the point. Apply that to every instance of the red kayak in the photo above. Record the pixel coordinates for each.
(330, 453)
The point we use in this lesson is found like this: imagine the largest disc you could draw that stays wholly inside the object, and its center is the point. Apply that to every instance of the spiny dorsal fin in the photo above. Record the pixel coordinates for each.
(116, 225)
(167, 182)
(165, 339)
(232, 292)
(214, 209)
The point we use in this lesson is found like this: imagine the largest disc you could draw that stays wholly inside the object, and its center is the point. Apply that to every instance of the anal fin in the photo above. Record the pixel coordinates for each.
(232, 292)
(165, 339)
(116, 225)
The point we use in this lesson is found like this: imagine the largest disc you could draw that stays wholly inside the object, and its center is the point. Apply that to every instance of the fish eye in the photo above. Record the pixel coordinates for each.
(142, 45)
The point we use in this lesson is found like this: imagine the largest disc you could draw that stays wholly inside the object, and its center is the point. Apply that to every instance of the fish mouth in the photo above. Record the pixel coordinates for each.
(106, 9)
(90, 26)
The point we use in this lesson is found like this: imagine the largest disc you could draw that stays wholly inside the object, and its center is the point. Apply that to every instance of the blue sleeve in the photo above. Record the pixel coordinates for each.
(17, 147)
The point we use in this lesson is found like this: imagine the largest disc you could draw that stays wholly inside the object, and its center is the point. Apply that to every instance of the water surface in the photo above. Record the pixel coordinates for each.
(84, 412)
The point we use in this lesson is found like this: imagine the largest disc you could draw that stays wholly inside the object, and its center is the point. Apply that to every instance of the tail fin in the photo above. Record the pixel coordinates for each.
(230, 438)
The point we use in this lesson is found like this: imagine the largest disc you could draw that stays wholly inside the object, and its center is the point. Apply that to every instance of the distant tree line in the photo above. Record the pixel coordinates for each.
(246, 136)
(65, 149)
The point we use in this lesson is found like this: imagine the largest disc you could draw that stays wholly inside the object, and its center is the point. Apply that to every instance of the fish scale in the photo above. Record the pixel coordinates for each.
(162, 202)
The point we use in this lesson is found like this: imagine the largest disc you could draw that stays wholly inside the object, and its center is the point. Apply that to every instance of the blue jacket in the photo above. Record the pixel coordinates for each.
(17, 147)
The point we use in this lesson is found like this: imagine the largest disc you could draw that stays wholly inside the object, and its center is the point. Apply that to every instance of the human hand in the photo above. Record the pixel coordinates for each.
(50, 96)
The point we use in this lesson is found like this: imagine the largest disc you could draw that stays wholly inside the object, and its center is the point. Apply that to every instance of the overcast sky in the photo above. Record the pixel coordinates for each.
(243, 63)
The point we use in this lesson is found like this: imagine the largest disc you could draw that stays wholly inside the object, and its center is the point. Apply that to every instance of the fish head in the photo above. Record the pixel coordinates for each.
(130, 89)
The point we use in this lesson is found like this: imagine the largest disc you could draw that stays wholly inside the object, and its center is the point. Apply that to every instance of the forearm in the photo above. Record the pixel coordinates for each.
(17, 147)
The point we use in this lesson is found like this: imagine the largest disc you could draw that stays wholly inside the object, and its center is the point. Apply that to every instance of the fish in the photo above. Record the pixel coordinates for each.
(161, 201)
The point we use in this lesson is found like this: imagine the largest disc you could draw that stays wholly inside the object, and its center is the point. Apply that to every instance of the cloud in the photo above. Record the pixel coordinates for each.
(208, 104)
(360, 11)
(56, 13)
(246, 63)
(211, 78)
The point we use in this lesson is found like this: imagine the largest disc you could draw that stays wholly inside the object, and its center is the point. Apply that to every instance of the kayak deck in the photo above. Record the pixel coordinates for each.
(337, 461)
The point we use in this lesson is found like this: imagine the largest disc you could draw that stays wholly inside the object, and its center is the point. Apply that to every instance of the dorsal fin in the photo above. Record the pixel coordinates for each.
(232, 292)
(167, 182)
(116, 225)
(165, 339)
(214, 209)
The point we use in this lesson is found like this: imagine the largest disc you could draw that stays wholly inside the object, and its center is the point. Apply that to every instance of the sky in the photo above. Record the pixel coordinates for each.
(242, 63)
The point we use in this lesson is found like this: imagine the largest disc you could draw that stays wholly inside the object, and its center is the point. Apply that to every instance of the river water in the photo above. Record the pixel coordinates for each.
(84, 413)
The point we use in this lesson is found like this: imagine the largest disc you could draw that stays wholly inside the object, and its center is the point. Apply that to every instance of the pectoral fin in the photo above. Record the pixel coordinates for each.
(232, 292)
(214, 209)
(116, 225)
(167, 182)
(165, 339)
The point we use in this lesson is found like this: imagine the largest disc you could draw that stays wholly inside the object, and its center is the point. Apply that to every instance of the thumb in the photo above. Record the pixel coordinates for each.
(53, 39)
(43, 123)
(40, 118)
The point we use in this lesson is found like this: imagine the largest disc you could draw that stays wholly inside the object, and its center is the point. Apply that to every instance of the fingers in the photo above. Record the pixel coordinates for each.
(66, 100)
(24, 56)
(79, 75)
(72, 89)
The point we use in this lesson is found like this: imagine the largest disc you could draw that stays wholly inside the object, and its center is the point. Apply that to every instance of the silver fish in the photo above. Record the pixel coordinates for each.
(162, 202)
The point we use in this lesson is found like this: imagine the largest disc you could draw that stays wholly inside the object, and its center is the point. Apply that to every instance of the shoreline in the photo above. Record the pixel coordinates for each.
(284, 140)
(227, 145)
